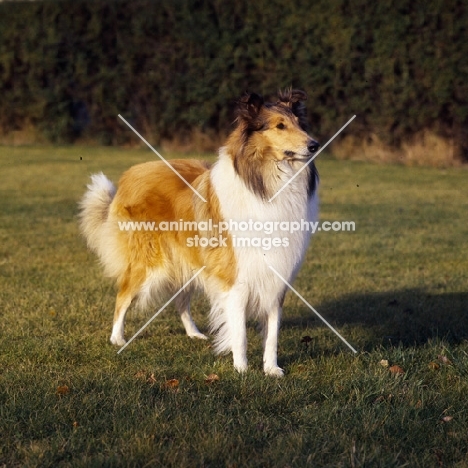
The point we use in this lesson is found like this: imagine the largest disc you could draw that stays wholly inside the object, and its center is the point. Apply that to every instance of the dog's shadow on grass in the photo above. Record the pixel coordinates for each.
(409, 317)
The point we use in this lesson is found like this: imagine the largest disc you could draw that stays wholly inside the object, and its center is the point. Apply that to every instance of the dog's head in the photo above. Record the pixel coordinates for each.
(271, 141)
(279, 127)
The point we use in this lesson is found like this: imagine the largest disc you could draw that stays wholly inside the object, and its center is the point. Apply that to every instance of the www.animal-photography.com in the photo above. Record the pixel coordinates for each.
(233, 234)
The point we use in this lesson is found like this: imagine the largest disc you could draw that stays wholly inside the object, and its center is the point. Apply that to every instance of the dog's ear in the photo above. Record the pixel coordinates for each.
(294, 99)
(248, 110)
(292, 96)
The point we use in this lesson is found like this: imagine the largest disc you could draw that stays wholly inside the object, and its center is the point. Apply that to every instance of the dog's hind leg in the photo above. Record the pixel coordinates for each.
(129, 286)
(182, 303)
(122, 303)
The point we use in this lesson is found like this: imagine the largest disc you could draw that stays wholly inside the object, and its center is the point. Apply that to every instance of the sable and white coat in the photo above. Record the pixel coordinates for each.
(266, 150)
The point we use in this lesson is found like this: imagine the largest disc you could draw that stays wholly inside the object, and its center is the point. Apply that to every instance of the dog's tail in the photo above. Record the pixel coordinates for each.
(94, 209)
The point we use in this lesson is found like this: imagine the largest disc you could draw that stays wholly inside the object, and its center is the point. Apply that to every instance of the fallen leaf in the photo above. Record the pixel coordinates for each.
(140, 375)
(211, 378)
(172, 383)
(75, 424)
(434, 366)
(446, 418)
(444, 360)
(63, 390)
(396, 370)
(384, 363)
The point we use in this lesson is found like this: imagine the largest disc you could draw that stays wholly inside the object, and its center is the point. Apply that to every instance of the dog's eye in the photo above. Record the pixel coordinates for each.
(281, 126)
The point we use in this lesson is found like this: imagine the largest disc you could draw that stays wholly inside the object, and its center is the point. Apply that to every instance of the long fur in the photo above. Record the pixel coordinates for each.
(267, 148)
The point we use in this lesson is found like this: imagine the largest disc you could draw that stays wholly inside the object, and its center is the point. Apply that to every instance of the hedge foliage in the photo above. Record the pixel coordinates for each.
(169, 66)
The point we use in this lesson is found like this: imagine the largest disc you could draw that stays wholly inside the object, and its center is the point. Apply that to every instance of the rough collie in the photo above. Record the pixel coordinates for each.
(268, 147)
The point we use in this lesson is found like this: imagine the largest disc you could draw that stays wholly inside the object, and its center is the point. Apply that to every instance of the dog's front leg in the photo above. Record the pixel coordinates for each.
(238, 340)
(270, 343)
(236, 325)
(228, 322)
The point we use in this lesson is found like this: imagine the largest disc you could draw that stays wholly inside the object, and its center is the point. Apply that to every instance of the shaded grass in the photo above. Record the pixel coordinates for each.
(396, 289)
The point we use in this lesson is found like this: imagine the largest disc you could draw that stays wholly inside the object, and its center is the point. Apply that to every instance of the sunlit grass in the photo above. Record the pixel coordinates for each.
(396, 289)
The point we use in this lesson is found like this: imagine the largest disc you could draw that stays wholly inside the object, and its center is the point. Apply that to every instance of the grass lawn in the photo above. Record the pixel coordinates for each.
(396, 289)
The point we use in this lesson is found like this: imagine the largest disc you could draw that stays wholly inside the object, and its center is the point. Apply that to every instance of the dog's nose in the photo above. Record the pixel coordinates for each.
(313, 146)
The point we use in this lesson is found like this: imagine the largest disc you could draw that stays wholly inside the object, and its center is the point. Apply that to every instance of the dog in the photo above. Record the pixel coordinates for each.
(268, 147)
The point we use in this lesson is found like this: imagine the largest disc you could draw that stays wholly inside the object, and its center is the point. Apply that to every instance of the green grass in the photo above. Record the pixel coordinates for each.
(396, 289)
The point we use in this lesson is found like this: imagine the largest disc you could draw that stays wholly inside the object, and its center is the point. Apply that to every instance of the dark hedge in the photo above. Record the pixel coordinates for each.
(169, 66)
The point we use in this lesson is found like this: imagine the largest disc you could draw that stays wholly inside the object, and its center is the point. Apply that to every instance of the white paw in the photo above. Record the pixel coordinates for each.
(198, 335)
(241, 368)
(274, 371)
(117, 340)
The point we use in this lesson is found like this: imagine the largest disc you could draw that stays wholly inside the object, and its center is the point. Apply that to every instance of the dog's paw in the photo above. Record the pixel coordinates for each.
(198, 335)
(117, 340)
(274, 371)
(241, 368)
